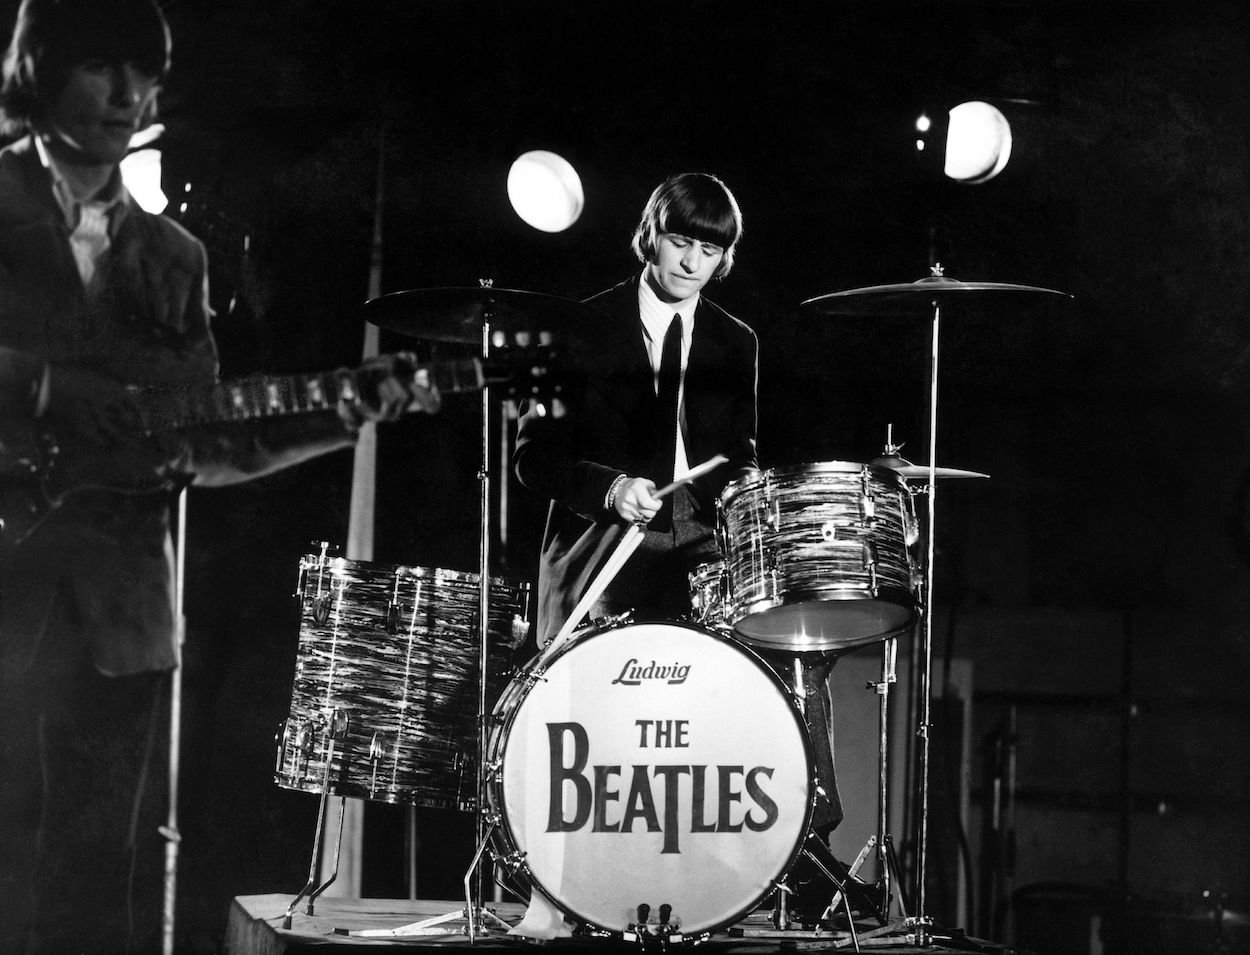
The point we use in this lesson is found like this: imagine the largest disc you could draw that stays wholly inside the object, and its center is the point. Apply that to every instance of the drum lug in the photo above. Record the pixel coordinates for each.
(338, 724)
(493, 771)
(911, 527)
(376, 755)
(771, 572)
(321, 608)
(870, 566)
(531, 677)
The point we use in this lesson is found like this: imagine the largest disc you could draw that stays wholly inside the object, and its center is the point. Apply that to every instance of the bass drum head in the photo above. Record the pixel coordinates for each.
(653, 764)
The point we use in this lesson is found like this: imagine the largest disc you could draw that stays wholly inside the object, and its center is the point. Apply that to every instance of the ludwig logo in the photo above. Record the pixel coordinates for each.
(634, 673)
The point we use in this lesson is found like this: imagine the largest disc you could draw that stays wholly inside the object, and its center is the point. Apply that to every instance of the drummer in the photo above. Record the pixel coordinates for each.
(669, 381)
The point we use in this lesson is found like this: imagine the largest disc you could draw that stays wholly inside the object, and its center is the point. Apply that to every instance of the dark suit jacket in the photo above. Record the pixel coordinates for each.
(111, 555)
(608, 431)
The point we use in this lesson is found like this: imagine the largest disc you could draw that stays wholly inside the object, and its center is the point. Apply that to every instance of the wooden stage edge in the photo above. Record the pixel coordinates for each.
(254, 927)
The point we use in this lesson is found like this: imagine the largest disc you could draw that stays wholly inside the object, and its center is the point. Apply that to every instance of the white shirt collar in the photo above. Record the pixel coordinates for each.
(114, 194)
(657, 315)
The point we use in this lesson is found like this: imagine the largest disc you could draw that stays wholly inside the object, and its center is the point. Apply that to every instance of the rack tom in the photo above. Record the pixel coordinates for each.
(819, 556)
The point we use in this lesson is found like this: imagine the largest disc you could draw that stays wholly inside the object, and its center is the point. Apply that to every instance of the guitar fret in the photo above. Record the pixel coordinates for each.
(274, 402)
(262, 396)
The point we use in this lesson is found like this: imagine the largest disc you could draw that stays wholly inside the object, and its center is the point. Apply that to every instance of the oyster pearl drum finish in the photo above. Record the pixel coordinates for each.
(707, 594)
(653, 764)
(819, 556)
(386, 680)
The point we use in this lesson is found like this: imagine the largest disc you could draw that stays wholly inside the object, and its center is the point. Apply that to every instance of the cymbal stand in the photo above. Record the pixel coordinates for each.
(922, 921)
(473, 913)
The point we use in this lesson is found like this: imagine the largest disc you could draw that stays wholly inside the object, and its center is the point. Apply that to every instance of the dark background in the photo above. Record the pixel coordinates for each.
(1097, 583)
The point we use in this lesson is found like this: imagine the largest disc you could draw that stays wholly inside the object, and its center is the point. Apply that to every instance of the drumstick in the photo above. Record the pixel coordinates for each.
(624, 550)
(695, 472)
(628, 544)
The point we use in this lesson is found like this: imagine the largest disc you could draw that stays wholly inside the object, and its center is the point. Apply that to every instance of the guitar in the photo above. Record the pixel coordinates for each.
(38, 473)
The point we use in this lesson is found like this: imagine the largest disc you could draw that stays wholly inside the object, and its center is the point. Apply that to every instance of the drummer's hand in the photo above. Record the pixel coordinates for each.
(390, 386)
(636, 500)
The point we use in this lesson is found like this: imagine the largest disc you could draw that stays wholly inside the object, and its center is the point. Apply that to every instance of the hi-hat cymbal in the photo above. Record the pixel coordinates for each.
(920, 472)
(459, 314)
(905, 297)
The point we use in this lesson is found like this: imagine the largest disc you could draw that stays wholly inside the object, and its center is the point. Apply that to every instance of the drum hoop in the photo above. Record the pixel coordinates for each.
(528, 679)
(333, 564)
(811, 468)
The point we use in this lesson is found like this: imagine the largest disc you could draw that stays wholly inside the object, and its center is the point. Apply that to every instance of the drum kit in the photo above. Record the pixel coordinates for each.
(647, 782)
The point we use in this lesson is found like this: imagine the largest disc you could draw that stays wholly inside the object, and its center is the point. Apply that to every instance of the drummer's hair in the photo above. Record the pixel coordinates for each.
(51, 37)
(694, 204)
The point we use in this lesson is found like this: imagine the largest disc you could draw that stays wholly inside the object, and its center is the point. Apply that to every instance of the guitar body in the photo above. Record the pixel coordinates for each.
(39, 474)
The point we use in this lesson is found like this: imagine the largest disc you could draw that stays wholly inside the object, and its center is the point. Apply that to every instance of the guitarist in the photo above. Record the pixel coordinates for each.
(95, 292)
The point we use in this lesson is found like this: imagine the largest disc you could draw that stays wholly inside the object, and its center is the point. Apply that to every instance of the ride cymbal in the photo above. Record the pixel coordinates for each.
(905, 297)
(455, 314)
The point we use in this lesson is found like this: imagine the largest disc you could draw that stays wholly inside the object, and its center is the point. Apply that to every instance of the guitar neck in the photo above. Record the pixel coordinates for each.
(272, 396)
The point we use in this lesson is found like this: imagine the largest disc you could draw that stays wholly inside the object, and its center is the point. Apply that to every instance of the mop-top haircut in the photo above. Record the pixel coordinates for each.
(51, 37)
(696, 205)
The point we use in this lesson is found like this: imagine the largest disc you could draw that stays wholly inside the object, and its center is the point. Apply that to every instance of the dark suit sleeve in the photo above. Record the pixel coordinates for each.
(550, 461)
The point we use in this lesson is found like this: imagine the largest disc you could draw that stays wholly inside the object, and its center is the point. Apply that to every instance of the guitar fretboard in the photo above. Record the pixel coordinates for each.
(269, 396)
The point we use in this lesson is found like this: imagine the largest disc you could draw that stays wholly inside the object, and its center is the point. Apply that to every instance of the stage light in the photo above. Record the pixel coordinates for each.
(978, 143)
(141, 173)
(545, 190)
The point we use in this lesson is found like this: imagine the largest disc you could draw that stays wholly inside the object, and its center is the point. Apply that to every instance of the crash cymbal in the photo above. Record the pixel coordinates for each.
(905, 297)
(920, 472)
(458, 314)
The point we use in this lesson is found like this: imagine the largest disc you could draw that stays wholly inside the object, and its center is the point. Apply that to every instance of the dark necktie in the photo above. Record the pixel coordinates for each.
(666, 418)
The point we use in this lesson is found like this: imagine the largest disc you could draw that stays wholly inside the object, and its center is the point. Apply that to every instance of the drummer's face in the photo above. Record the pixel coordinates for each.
(681, 266)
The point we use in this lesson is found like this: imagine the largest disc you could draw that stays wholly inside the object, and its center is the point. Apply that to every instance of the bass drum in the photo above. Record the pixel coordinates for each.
(650, 764)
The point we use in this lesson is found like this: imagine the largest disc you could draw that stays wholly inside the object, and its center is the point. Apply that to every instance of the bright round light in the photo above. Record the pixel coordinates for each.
(545, 190)
(978, 142)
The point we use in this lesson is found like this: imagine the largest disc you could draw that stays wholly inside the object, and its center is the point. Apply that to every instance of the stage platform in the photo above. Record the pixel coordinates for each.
(255, 928)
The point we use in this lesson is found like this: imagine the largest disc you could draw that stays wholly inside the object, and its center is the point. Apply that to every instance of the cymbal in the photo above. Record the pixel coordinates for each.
(920, 472)
(931, 290)
(458, 314)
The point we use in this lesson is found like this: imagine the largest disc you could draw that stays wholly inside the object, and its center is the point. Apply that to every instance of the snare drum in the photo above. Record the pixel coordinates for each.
(387, 671)
(651, 764)
(707, 594)
(819, 556)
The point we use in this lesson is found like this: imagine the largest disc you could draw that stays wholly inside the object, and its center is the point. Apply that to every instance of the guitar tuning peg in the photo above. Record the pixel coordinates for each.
(499, 338)
(545, 339)
(523, 339)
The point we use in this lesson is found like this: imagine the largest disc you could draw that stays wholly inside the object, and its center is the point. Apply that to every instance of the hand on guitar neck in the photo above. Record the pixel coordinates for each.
(390, 386)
